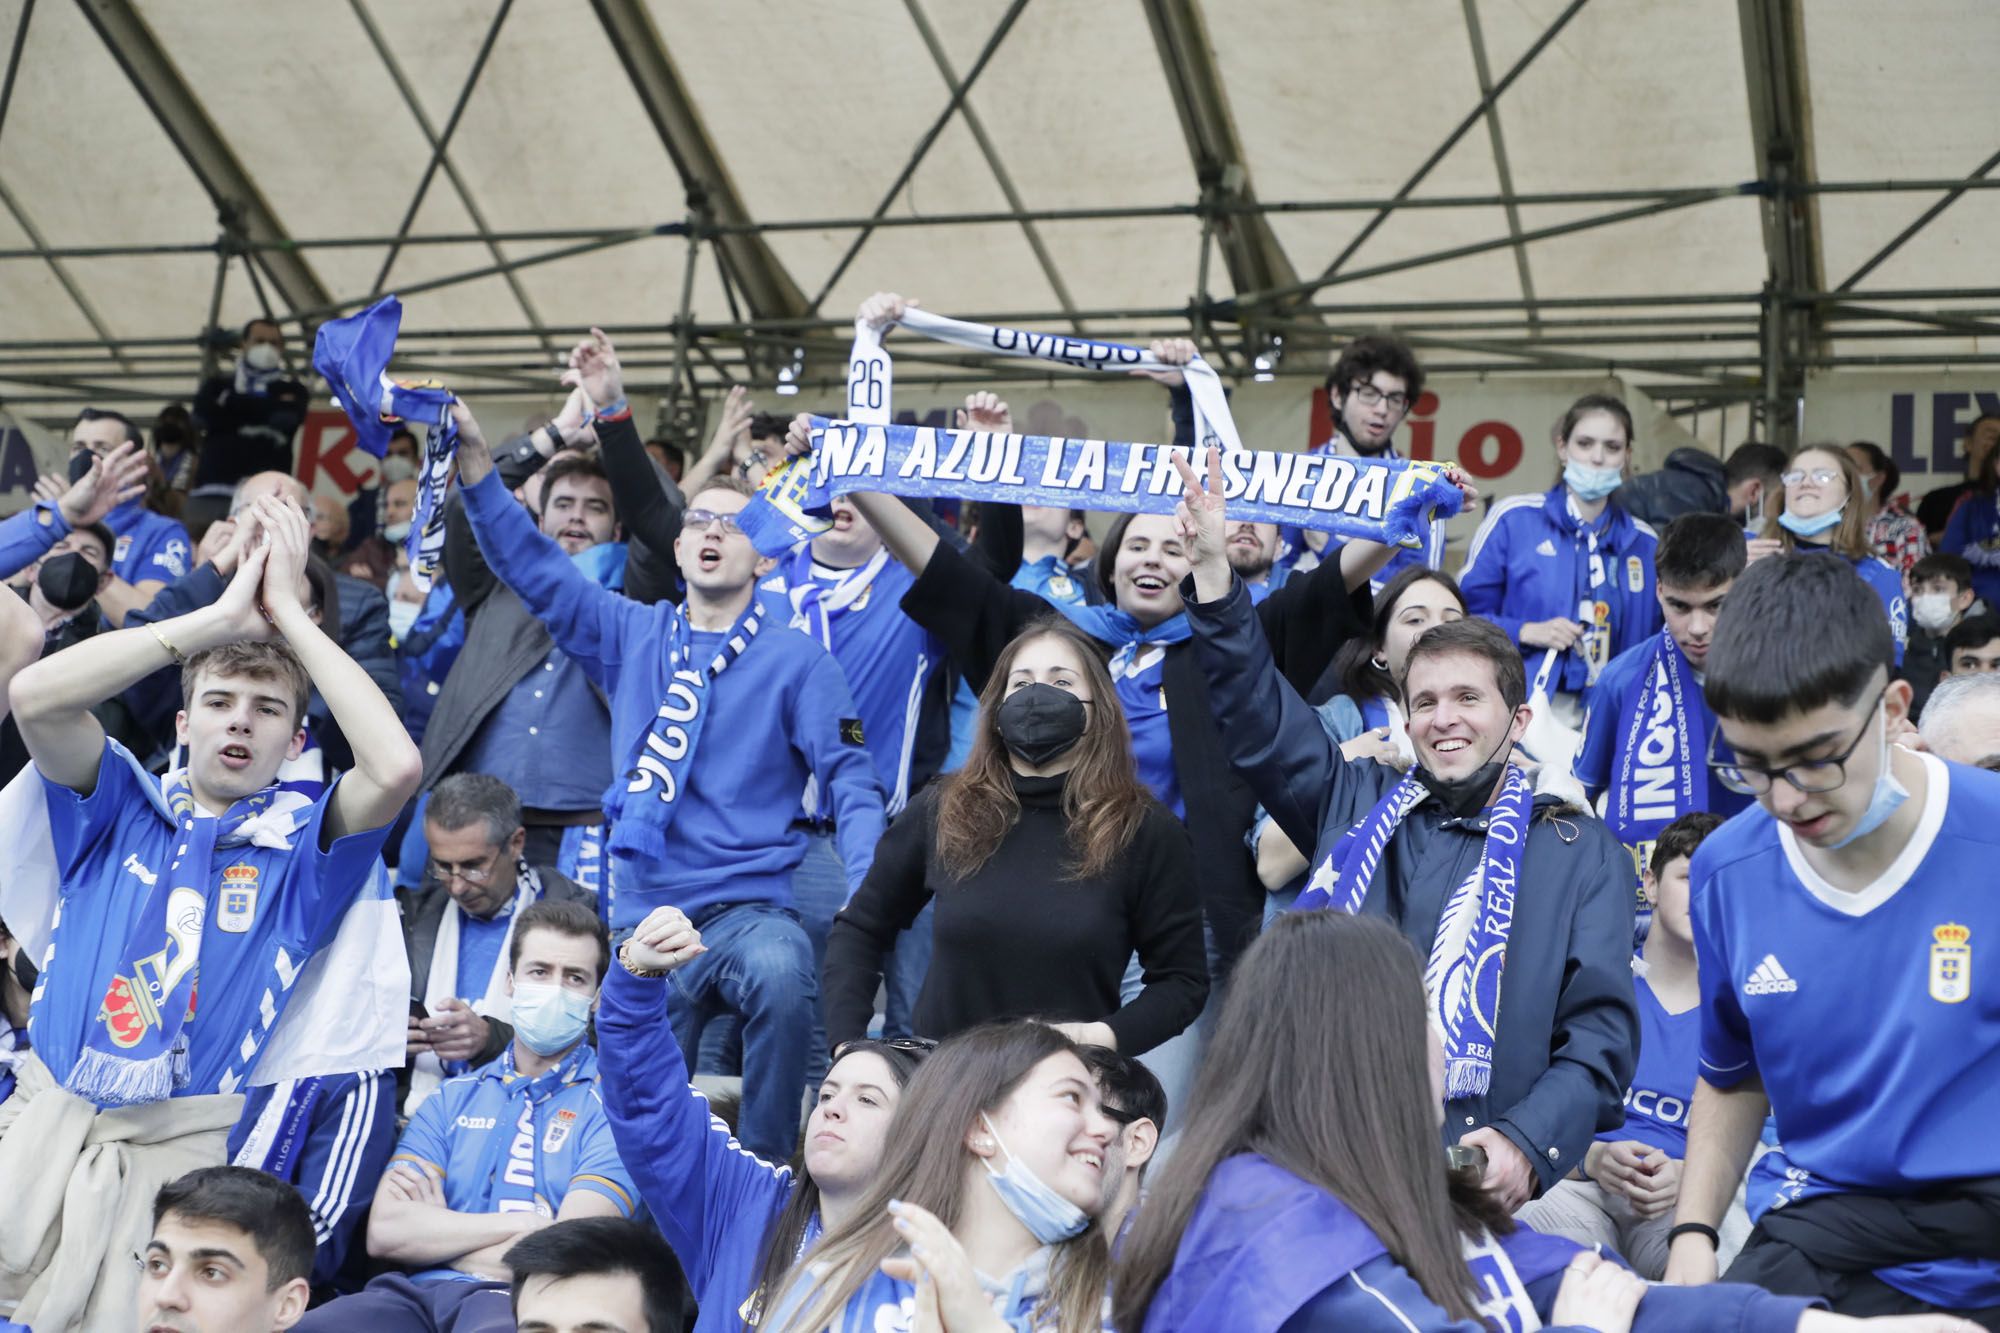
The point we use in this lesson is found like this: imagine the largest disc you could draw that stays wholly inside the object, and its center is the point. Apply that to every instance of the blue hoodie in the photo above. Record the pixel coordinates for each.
(1528, 562)
(778, 717)
(714, 1200)
(1238, 1268)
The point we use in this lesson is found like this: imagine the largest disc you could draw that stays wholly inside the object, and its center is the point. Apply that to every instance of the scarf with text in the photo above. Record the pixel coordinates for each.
(137, 1049)
(661, 761)
(1469, 951)
(1659, 773)
(1389, 500)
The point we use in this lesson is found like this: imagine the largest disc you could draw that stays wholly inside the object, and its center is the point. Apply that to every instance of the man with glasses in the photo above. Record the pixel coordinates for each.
(1837, 933)
(721, 716)
(458, 928)
(1373, 384)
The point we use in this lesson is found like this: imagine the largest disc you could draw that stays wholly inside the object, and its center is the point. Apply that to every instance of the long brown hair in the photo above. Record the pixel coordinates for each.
(1850, 536)
(1103, 801)
(1336, 1092)
(925, 1162)
(782, 1238)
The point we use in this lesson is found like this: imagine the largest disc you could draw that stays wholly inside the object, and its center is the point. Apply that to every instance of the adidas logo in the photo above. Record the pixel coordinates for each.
(1546, 548)
(1769, 979)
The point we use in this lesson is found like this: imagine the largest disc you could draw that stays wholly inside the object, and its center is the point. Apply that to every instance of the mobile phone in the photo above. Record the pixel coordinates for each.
(417, 1010)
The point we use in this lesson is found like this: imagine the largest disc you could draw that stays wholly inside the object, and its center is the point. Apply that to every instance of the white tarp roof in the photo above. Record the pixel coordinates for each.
(814, 109)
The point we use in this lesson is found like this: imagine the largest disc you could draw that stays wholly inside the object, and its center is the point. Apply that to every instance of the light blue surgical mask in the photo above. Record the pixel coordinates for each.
(1048, 1216)
(549, 1019)
(1591, 484)
(1882, 801)
(1809, 528)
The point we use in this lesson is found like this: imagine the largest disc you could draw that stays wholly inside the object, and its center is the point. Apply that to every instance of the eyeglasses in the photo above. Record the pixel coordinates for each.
(702, 518)
(1368, 395)
(477, 876)
(1812, 776)
(1824, 476)
(917, 1046)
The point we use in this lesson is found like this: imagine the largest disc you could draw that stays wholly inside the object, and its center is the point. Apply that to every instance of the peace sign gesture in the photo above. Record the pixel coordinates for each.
(1200, 517)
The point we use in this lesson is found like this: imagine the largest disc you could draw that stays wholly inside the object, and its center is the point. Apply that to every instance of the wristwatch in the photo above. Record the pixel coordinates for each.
(625, 962)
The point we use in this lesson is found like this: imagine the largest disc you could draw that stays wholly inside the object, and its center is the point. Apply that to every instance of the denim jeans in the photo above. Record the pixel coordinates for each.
(819, 887)
(759, 968)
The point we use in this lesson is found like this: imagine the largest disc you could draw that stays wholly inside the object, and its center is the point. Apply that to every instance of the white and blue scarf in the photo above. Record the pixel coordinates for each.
(1660, 772)
(662, 759)
(1469, 951)
(1389, 500)
(138, 1052)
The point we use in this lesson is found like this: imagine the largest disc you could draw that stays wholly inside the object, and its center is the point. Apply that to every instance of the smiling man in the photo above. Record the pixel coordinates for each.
(1482, 875)
(1837, 932)
(230, 1251)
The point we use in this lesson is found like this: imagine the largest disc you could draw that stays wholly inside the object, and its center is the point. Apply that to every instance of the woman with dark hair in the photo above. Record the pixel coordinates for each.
(1894, 534)
(1050, 864)
(1569, 572)
(1367, 717)
(983, 1212)
(1310, 1190)
(1823, 514)
(736, 1221)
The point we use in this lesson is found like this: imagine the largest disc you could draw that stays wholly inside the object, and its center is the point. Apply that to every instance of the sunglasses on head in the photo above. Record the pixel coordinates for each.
(915, 1046)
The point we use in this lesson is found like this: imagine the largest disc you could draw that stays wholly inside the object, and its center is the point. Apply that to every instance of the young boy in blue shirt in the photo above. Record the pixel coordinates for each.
(1837, 931)
(1647, 735)
(1623, 1197)
(720, 717)
(226, 866)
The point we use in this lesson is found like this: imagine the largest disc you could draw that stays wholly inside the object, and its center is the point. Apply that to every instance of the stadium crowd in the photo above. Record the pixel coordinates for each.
(985, 917)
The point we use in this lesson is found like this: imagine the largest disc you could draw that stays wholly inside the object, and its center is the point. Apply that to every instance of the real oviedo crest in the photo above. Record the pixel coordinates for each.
(1951, 964)
(236, 904)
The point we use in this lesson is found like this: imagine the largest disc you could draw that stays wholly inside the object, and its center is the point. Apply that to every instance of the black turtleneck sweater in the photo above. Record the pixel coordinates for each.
(1018, 939)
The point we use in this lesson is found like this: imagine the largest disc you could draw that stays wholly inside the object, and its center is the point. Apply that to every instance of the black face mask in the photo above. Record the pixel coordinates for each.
(80, 464)
(1038, 722)
(1466, 796)
(25, 972)
(68, 581)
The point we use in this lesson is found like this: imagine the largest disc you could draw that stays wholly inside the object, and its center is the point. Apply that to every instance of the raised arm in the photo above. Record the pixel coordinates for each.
(53, 698)
(387, 766)
(586, 620)
(693, 1176)
(114, 478)
(1271, 734)
(731, 429)
(649, 504)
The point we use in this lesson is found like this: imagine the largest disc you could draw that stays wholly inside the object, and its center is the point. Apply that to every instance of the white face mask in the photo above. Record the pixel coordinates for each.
(397, 468)
(1932, 611)
(261, 356)
(402, 615)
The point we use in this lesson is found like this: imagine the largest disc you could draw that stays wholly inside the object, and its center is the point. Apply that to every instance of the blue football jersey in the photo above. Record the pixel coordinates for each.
(1862, 1012)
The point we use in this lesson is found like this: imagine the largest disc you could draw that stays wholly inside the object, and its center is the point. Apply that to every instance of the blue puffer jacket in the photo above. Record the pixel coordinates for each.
(1530, 561)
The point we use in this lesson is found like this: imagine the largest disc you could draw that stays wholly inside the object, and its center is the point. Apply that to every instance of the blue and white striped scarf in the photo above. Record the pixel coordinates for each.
(1469, 950)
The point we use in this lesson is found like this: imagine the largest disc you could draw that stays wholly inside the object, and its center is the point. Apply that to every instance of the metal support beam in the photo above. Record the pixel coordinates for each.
(1001, 177)
(180, 114)
(440, 160)
(14, 57)
(957, 100)
(62, 273)
(1504, 173)
(1249, 247)
(767, 288)
(1472, 118)
(1780, 128)
(1981, 175)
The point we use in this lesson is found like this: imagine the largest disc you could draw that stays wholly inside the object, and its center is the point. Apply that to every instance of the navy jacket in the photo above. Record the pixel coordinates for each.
(1693, 481)
(1568, 1034)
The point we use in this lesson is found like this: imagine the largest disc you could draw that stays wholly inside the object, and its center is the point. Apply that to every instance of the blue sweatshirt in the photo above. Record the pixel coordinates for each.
(1973, 532)
(782, 714)
(27, 536)
(1530, 561)
(714, 1200)
(1237, 1268)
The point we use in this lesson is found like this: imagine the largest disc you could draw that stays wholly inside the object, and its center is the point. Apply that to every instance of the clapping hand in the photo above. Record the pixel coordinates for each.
(114, 478)
(949, 1298)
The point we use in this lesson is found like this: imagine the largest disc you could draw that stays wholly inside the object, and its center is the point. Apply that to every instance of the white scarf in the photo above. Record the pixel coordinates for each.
(427, 1071)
